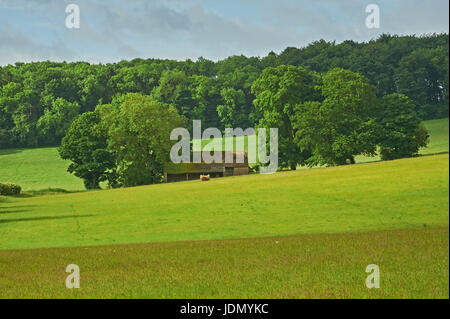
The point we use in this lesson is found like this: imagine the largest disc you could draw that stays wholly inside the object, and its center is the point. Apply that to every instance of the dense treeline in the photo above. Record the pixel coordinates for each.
(39, 101)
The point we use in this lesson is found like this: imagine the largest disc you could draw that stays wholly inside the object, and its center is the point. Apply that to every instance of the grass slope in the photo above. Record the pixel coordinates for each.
(413, 264)
(439, 136)
(37, 168)
(408, 193)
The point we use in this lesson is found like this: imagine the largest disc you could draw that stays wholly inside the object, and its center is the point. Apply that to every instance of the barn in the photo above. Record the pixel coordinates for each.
(192, 171)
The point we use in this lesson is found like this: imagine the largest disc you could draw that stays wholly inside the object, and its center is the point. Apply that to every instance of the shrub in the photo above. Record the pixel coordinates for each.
(8, 189)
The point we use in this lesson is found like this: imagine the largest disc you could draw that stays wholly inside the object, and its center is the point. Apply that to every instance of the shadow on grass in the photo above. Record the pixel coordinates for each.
(43, 192)
(431, 154)
(10, 151)
(7, 212)
(4, 221)
(18, 206)
(4, 210)
(396, 159)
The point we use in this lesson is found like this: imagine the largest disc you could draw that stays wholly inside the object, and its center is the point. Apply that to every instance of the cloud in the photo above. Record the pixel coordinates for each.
(18, 46)
(114, 30)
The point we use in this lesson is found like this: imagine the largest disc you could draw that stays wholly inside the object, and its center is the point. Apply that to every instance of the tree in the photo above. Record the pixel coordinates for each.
(138, 78)
(239, 73)
(168, 83)
(343, 125)
(139, 137)
(278, 91)
(184, 102)
(86, 146)
(55, 122)
(423, 77)
(401, 128)
(174, 89)
(5, 126)
(231, 112)
(206, 93)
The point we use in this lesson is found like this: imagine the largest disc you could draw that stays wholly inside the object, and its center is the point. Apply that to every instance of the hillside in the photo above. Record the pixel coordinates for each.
(438, 136)
(297, 234)
(374, 196)
(36, 169)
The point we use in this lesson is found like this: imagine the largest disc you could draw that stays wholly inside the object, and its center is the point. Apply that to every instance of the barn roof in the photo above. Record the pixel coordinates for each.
(183, 168)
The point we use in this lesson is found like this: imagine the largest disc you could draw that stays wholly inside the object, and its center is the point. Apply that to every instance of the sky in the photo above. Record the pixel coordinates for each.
(113, 30)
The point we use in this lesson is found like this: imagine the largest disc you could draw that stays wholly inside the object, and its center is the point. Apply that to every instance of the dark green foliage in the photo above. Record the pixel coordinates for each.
(138, 134)
(278, 91)
(423, 77)
(211, 91)
(324, 99)
(55, 121)
(343, 125)
(232, 112)
(85, 145)
(8, 189)
(401, 131)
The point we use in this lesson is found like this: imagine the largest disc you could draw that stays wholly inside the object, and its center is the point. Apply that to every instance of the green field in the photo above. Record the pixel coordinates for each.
(294, 234)
(312, 237)
(36, 169)
(438, 136)
(413, 264)
(398, 194)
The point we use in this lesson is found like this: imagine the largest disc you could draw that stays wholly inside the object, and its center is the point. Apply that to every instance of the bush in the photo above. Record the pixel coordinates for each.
(8, 189)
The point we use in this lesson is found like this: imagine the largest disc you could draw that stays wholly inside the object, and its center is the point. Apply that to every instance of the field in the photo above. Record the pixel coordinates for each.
(295, 234)
(312, 237)
(413, 264)
(37, 169)
(438, 136)
(383, 195)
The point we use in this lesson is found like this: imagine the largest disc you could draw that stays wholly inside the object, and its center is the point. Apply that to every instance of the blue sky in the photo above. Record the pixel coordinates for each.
(114, 30)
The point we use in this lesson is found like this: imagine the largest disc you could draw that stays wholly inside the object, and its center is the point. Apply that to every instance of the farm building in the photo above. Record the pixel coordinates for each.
(191, 171)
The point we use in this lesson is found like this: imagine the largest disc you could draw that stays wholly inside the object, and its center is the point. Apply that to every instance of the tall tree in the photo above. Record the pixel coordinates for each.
(278, 91)
(232, 111)
(402, 133)
(343, 125)
(206, 92)
(139, 137)
(85, 146)
(423, 77)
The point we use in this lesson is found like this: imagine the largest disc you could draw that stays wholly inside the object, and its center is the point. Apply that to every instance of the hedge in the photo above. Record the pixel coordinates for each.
(8, 189)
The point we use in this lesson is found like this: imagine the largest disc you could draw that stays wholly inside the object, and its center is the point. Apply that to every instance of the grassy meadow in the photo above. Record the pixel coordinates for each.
(37, 169)
(407, 193)
(311, 238)
(413, 264)
(438, 136)
(295, 234)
